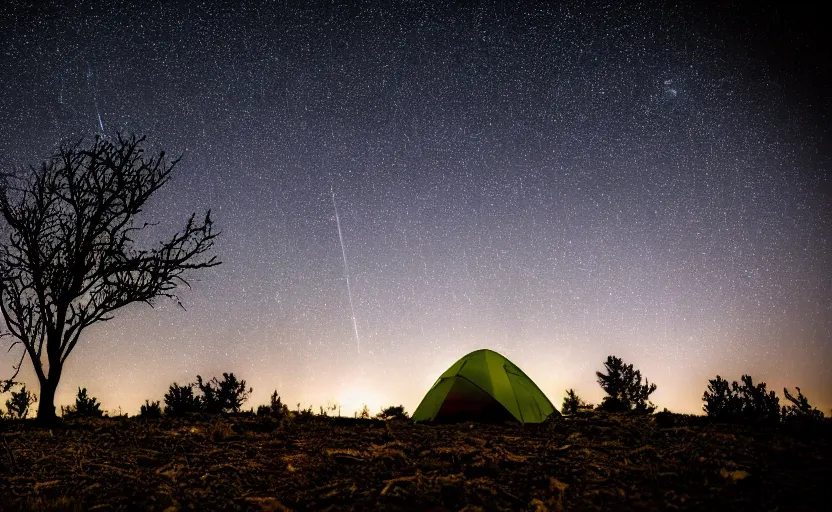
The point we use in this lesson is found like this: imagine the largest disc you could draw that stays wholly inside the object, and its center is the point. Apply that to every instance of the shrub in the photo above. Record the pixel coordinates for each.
(364, 414)
(305, 413)
(221, 431)
(18, 404)
(757, 404)
(394, 412)
(799, 410)
(721, 402)
(666, 418)
(181, 400)
(276, 408)
(746, 402)
(624, 389)
(325, 410)
(227, 395)
(85, 406)
(151, 410)
(573, 404)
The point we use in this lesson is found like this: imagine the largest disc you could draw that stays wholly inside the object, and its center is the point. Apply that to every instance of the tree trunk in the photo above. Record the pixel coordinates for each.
(46, 404)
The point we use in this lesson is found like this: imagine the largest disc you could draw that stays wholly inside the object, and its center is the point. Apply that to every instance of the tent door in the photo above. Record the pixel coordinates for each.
(466, 401)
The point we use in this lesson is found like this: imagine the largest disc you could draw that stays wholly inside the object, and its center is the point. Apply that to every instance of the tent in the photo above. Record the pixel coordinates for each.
(484, 386)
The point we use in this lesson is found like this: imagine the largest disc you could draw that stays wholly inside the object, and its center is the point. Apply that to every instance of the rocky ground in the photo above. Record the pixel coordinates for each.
(593, 462)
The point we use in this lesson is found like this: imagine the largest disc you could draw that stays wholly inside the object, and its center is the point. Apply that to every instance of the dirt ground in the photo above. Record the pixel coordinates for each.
(593, 462)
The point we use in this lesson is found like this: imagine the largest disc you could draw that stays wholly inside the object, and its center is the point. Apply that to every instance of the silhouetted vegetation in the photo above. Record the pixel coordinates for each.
(745, 402)
(624, 389)
(324, 410)
(227, 395)
(85, 406)
(276, 408)
(304, 413)
(721, 402)
(800, 409)
(151, 410)
(394, 412)
(68, 260)
(18, 405)
(573, 404)
(666, 419)
(180, 400)
(364, 413)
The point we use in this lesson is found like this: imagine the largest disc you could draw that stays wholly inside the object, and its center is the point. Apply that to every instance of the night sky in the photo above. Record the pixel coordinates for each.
(556, 183)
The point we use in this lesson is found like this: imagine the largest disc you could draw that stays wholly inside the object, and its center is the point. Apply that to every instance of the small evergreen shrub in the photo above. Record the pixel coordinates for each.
(227, 395)
(180, 400)
(85, 406)
(151, 410)
(573, 404)
(744, 402)
(624, 389)
(273, 415)
(721, 402)
(800, 410)
(758, 405)
(276, 408)
(613, 404)
(394, 412)
(18, 404)
(364, 414)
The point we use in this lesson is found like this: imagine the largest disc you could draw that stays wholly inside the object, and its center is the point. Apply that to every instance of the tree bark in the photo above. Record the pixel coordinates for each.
(46, 404)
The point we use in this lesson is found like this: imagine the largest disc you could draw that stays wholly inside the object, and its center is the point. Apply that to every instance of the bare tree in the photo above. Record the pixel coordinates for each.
(67, 259)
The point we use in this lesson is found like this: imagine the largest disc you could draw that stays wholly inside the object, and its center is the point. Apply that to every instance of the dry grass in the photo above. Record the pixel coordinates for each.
(590, 462)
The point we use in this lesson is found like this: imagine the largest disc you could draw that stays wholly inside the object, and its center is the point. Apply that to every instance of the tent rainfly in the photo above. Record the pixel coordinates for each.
(484, 386)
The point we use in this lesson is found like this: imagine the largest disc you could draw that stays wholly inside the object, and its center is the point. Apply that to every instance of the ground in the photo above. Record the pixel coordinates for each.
(592, 462)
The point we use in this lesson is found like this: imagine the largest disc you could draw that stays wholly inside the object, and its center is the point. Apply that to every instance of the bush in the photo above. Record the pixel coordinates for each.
(85, 406)
(721, 403)
(221, 431)
(276, 408)
(757, 404)
(666, 419)
(800, 409)
(394, 412)
(227, 395)
(151, 410)
(624, 388)
(364, 414)
(325, 410)
(180, 400)
(573, 404)
(18, 404)
(746, 402)
(305, 413)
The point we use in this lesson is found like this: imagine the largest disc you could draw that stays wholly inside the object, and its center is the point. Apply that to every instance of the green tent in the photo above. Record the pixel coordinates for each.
(484, 386)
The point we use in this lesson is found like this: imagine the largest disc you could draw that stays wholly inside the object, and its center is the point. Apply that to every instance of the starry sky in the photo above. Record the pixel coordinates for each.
(555, 182)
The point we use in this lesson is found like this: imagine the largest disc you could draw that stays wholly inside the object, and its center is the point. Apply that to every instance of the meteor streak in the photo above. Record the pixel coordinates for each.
(346, 270)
